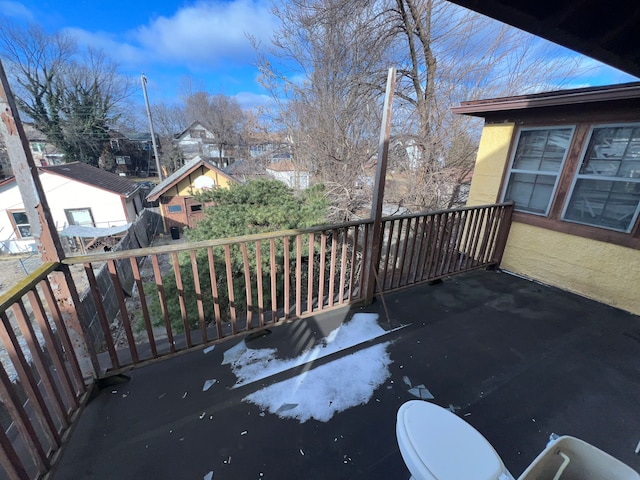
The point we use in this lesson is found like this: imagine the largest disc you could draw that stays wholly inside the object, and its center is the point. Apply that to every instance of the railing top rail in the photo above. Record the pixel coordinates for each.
(140, 252)
(23, 286)
(439, 212)
(218, 242)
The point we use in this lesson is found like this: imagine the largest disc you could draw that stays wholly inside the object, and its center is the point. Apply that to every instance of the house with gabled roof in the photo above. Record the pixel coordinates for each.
(78, 194)
(176, 193)
(199, 141)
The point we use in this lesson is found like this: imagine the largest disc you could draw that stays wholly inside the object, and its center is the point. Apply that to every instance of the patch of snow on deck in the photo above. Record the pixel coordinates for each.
(321, 392)
(326, 390)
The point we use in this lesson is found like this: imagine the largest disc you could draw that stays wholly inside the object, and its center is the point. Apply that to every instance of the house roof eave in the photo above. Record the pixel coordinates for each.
(608, 93)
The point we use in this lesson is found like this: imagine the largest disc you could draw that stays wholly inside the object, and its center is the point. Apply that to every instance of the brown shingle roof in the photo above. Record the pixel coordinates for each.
(96, 177)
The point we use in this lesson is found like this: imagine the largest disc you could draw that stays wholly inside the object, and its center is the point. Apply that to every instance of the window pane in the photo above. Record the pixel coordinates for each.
(25, 231)
(20, 218)
(613, 152)
(542, 150)
(531, 193)
(604, 203)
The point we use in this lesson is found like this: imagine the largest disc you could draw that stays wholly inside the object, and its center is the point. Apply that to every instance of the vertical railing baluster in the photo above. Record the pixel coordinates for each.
(420, 229)
(198, 291)
(102, 315)
(405, 250)
(343, 265)
(472, 234)
(412, 249)
(476, 236)
(396, 252)
(310, 274)
(259, 283)
(391, 224)
(143, 305)
(365, 259)
(124, 314)
(426, 247)
(181, 298)
(287, 278)
(214, 292)
(37, 357)
(162, 299)
(63, 335)
(298, 275)
(452, 266)
(323, 266)
(27, 380)
(332, 268)
(232, 301)
(53, 350)
(354, 258)
(247, 284)
(15, 407)
(274, 283)
(10, 460)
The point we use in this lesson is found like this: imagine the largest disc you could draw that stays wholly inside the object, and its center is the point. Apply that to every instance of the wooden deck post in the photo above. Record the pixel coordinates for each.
(375, 240)
(41, 222)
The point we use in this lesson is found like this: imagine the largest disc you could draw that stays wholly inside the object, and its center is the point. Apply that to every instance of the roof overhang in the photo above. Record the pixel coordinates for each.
(607, 30)
(560, 98)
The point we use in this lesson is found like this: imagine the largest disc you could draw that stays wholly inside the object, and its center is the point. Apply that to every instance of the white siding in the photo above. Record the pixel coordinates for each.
(63, 193)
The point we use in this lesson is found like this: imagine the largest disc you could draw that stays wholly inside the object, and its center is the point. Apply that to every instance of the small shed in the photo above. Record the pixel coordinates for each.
(176, 194)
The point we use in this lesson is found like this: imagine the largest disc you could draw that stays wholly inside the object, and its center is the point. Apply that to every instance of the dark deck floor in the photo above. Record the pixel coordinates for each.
(520, 361)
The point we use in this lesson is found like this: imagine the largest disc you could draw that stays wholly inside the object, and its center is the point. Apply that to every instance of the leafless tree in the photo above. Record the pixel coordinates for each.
(328, 64)
(169, 120)
(319, 86)
(71, 96)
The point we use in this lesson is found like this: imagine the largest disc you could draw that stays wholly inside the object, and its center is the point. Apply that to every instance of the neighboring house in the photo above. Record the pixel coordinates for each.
(130, 154)
(77, 194)
(176, 193)
(43, 152)
(198, 141)
(290, 174)
(570, 160)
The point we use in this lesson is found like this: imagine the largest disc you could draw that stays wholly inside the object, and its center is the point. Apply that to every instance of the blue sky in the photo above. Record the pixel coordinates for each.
(168, 40)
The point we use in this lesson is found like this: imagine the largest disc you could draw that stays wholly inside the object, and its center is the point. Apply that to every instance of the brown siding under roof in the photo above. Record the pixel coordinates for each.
(94, 176)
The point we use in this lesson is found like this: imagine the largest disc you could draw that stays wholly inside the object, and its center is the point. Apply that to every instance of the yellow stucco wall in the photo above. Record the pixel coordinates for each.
(598, 270)
(185, 186)
(602, 271)
(492, 157)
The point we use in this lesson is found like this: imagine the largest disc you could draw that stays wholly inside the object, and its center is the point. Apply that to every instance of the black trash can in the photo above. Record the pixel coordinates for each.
(175, 233)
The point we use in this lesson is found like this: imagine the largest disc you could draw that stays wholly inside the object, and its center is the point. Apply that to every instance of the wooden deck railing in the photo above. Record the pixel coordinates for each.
(144, 304)
(41, 384)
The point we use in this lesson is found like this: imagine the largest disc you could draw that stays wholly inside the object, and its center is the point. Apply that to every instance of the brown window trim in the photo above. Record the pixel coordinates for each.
(554, 219)
(630, 240)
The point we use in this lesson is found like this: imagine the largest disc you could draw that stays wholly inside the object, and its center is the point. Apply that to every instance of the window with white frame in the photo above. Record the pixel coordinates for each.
(535, 168)
(21, 223)
(606, 189)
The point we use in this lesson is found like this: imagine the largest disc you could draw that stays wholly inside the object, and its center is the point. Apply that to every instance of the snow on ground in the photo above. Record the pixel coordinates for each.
(320, 392)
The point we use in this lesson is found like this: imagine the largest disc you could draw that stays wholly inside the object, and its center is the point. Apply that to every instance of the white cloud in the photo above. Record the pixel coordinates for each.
(249, 100)
(122, 52)
(200, 37)
(16, 10)
(208, 32)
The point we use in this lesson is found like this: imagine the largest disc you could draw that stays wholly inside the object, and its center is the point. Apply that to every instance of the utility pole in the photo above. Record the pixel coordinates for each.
(153, 136)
